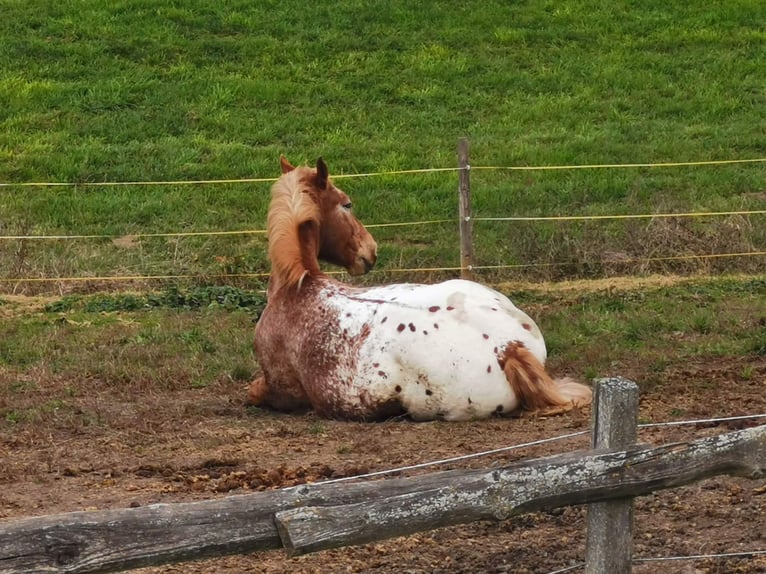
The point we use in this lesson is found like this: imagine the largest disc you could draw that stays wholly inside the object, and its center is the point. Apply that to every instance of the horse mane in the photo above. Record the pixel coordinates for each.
(293, 213)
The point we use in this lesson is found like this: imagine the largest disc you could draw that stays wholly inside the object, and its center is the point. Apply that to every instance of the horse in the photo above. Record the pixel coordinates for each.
(451, 351)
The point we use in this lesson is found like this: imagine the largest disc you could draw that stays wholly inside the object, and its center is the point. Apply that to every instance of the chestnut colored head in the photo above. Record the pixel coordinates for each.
(309, 219)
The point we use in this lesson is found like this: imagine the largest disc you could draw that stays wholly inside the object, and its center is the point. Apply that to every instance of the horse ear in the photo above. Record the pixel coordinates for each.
(285, 165)
(322, 173)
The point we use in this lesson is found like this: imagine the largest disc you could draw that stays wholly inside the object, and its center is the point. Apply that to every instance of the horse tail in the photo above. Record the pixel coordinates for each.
(536, 390)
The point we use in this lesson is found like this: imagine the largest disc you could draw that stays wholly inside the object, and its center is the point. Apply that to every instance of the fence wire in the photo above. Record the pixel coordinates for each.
(743, 554)
(485, 453)
(126, 278)
(179, 234)
(388, 173)
(520, 218)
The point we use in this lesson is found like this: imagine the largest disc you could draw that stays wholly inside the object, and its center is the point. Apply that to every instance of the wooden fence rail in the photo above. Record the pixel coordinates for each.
(309, 517)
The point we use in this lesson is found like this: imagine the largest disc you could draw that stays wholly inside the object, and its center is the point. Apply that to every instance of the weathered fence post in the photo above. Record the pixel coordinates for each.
(466, 224)
(609, 545)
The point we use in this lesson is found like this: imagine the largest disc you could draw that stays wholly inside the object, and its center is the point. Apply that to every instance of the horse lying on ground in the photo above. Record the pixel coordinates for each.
(455, 350)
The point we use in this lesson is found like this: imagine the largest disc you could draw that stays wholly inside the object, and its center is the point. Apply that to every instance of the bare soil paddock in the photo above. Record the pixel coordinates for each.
(190, 444)
(202, 444)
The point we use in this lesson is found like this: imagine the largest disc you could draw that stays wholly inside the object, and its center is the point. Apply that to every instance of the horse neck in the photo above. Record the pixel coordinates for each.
(294, 256)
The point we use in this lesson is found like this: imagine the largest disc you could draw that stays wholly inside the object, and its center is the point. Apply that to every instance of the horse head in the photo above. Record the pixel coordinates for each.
(306, 198)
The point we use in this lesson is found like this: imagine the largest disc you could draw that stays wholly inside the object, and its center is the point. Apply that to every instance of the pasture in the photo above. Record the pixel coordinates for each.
(125, 392)
(119, 401)
(156, 91)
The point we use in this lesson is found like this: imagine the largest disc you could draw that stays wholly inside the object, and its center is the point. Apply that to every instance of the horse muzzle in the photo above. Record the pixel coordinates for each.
(365, 258)
(362, 265)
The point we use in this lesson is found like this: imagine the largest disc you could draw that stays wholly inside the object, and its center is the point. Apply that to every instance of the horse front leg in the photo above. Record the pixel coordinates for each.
(281, 395)
(256, 395)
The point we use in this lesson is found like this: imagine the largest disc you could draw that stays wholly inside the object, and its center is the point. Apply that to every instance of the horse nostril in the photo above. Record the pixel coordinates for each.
(367, 264)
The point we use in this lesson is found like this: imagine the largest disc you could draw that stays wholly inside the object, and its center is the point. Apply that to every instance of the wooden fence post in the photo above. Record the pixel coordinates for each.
(609, 544)
(466, 224)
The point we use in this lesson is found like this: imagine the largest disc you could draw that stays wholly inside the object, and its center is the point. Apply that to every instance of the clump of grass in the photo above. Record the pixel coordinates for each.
(171, 298)
(758, 341)
(317, 428)
(241, 374)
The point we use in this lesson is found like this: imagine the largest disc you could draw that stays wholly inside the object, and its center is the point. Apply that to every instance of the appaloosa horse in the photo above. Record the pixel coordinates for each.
(455, 351)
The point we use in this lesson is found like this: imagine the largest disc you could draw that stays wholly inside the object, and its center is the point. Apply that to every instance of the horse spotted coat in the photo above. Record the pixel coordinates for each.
(430, 351)
(454, 351)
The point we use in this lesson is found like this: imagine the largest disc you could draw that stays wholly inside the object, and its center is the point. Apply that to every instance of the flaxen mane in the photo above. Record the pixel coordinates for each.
(291, 209)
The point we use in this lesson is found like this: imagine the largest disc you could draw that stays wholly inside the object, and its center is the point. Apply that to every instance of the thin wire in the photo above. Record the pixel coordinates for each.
(224, 275)
(415, 269)
(125, 277)
(397, 172)
(619, 165)
(626, 216)
(400, 224)
(452, 459)
(377, 271)
(626, 260)
(528, 265)
(137, 235)
(406, 223)
(380, 173)
(129, 183)
(703, 556)
(533, 443)
(709, 256)
(701, 421)
(203, 233)
(568, 568)
(750, 554)
(212, 181)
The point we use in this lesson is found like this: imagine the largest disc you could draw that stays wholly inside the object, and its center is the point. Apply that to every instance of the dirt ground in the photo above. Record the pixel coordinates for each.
(203, 443)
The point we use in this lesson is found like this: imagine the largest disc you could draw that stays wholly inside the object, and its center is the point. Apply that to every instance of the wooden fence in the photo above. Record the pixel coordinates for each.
(314, 517)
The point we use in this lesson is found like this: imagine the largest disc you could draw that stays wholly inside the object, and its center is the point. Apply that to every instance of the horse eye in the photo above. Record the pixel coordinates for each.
(348, 205)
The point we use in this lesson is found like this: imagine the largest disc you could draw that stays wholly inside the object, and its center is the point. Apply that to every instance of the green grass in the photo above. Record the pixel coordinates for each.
(142, 91)
(659, 326)
(162, 350)
(172, 297)
(55, 355)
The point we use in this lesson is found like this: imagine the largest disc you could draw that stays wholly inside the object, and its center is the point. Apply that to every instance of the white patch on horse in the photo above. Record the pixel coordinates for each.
(456, 350)
(437, 347)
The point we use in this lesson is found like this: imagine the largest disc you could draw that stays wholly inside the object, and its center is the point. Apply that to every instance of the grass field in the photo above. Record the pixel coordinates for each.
(160, 91)
(175, 340)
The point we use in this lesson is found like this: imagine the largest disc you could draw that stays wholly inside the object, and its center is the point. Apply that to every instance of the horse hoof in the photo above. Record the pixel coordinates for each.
(256, 392)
